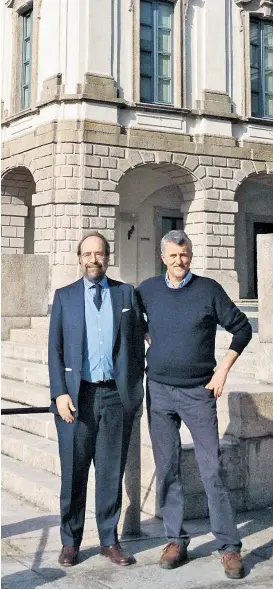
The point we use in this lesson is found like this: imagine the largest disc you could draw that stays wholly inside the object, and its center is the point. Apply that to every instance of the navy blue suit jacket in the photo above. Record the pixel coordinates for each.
(66, 341)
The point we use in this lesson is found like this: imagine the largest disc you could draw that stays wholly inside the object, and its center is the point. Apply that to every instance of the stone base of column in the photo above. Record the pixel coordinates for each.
(264, 362)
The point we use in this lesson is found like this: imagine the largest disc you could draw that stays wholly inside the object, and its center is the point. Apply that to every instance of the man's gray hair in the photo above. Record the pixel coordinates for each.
(177, 236)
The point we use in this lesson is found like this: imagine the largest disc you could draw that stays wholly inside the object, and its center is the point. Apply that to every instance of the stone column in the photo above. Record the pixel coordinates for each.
(264, 370)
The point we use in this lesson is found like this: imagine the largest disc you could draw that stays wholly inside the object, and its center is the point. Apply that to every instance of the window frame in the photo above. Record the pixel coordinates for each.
(155, 78)
(24, 15)
(261, 92)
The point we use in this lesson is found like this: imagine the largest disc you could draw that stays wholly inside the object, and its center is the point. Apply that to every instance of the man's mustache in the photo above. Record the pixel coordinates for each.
(97, 265)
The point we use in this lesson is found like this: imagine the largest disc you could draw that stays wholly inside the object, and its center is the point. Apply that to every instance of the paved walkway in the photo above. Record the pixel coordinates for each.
(30, 548)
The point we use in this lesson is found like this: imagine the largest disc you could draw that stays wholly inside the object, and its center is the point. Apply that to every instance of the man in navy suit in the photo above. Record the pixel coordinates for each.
(96, 365)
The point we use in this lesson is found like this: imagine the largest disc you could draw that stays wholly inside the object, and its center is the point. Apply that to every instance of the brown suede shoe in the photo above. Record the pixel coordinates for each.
(233, 565)
(173, 555)
(117, 555)
(68, 556)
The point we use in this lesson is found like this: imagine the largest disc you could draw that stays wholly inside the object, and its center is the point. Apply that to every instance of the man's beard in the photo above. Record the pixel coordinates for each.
(95, 272)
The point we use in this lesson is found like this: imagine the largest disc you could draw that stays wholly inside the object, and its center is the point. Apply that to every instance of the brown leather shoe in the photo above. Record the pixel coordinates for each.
(173, 555)
(233, 565)
(117, 555)
(68, 556)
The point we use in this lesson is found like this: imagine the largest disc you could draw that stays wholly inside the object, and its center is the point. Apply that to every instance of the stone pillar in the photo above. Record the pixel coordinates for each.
(264, 370)
(210, 225)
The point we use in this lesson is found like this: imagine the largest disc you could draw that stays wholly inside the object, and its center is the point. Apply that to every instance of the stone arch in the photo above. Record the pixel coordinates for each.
(167, 185)
(254, 196)
(18, 218)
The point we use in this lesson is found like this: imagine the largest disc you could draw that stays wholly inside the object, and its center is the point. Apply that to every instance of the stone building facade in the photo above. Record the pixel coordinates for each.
(82, 149)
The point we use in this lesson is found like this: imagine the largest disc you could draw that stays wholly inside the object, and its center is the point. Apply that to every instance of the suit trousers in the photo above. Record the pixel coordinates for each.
(100, 433)
(167, 407)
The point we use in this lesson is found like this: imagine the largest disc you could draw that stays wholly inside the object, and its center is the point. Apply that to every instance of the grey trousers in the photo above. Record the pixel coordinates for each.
(167, 407)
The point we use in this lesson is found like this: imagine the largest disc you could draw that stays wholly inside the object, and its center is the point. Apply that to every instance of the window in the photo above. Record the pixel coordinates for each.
(26, 59)
(261, 62)
(156, 51)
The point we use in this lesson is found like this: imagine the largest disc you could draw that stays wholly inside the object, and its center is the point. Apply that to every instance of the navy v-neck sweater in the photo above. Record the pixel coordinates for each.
(182, 325)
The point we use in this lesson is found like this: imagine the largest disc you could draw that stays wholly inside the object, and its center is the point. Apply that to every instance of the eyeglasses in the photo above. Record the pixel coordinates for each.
(98, 255)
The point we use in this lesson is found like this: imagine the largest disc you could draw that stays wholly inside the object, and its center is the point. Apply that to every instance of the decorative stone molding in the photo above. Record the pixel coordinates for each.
(185, 8)
(267, 6)
(51, 88)
(241, 3)
(264, 7)
(215, 102)
(97, 86)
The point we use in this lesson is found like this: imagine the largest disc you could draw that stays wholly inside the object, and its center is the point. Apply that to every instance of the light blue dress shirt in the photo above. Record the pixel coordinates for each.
(184, 282)
(98, 341)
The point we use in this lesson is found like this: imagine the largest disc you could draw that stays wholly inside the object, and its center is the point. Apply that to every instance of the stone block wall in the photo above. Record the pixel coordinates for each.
(76, 168)
(16, 192)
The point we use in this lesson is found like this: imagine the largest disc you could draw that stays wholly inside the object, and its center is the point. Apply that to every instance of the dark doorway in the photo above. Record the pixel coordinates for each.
(259, 228)
(168, 224)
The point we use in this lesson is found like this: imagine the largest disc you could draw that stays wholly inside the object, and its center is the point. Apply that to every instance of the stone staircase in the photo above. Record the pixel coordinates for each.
(30, 461)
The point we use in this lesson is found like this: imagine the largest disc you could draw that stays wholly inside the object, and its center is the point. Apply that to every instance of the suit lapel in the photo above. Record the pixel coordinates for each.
(117, 303)
(77, 311)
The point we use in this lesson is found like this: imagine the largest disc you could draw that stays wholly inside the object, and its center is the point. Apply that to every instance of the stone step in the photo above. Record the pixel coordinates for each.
(223, 340)
(40, 323)
(36, 353)
(33, 450)
(40, 424)
(25, 371)
(244, 364)
(25, 393)
(31, 484)
(29, 336)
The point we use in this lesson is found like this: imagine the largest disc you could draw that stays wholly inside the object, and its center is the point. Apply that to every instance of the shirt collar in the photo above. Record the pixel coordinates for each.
(184, 282)
(103, 282)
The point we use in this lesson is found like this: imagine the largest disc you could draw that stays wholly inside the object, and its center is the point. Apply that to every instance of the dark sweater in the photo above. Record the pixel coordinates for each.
(182, 325)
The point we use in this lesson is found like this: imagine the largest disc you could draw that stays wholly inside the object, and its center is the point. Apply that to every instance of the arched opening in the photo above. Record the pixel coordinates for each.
(18, 215)
(255, 216)
(151, 203)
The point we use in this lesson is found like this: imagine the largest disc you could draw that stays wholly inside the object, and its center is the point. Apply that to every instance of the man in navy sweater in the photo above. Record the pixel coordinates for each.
(183, 311)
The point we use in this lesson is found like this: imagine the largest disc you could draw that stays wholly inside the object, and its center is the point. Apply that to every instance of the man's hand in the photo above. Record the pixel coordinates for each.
(148, 338)
(64, 405)
(218, 380)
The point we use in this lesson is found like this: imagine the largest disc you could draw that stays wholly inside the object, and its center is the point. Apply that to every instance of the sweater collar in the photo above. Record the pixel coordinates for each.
(184, 282)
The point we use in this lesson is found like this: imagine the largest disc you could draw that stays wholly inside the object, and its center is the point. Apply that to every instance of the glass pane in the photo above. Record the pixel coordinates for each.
(25, 98)
(268, 34)
(269, 82)
(146, 90)
(254, 55)
(164, 66)
(146, 13)
(269, 106)
(164, 91)
(146, 38)
(27, 51)
(146, 66)
(268, 58)
(28, 23)
(255, 104)
(254, 31)
(26, 79)
(164, 41)
(164, 15)
(254, 79)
